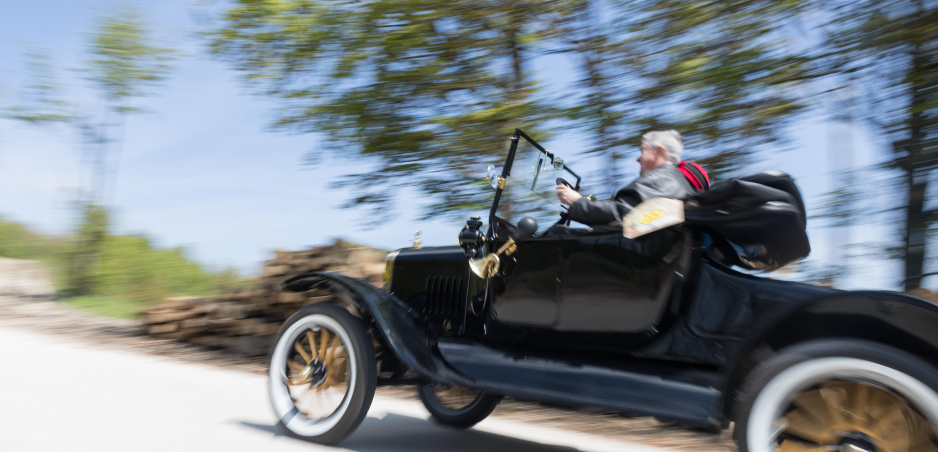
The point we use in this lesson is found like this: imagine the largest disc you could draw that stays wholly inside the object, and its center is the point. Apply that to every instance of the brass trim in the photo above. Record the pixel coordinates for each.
(488, 266)
(501, 182)
(508, 248)
(484, 267)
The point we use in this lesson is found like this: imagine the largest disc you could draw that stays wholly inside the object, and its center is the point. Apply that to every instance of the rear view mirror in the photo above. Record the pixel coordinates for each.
(652, 215)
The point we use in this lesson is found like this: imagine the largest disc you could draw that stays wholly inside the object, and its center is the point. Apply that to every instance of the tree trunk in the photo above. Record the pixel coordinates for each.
(516, 95)
(916, 219)
(598, 98)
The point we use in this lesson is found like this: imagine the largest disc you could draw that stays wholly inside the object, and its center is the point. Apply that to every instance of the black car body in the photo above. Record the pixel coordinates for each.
(657, 325)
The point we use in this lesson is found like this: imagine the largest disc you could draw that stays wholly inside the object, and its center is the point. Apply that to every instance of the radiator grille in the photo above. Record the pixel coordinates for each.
(446, 295)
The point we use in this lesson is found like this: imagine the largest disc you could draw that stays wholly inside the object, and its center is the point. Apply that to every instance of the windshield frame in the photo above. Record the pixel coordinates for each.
(506, 173)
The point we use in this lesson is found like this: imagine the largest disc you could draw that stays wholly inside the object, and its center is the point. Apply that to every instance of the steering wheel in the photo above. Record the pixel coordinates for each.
(563, 218)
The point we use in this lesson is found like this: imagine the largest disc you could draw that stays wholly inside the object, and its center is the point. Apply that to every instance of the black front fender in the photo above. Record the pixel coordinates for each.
(398, 326)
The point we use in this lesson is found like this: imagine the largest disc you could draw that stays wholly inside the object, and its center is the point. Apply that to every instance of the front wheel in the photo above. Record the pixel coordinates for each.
(322, 373)
(457, 406)
(840, 395)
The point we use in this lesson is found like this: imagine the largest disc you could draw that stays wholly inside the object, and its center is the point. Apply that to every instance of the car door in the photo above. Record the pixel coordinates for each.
(611, 284)
(524, 293)
(570, 287)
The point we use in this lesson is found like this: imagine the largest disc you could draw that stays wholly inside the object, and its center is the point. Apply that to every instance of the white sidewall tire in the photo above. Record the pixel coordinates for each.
(360, 392)
(775, 395)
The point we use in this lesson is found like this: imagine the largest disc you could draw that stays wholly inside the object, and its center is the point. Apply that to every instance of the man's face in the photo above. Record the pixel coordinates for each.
(651, 157)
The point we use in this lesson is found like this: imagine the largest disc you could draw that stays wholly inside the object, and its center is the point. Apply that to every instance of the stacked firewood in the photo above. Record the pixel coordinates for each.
(245, 321)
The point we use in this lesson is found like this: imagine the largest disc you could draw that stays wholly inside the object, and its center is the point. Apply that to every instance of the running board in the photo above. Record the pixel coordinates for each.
(577, 384)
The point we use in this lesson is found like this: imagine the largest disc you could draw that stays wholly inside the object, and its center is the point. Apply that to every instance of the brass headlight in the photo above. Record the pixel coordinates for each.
(389, 268)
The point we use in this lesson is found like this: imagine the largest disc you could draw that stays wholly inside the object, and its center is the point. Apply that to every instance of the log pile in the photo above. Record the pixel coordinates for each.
(246, 321)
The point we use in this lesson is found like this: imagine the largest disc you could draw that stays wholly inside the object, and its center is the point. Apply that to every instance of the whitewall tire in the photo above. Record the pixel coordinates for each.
(322, 373)
(840, 395)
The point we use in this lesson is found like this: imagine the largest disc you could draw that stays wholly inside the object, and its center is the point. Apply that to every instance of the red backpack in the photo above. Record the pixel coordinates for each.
(695, 174)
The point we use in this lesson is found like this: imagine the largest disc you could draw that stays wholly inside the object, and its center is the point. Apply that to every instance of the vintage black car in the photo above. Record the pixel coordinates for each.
(646, 317)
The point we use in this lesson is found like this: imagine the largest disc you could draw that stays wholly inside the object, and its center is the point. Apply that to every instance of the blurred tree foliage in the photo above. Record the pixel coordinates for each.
(425, 88)
(886, 55)
(18, 242)
(726, 74)
(128, 268)
(83, 274)
(422, 94)
(42, 100)
(428, 91)
(122, 64)
(131, 268)
(602, 110)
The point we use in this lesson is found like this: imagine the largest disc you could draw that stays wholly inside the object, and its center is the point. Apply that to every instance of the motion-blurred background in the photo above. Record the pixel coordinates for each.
(152, 149)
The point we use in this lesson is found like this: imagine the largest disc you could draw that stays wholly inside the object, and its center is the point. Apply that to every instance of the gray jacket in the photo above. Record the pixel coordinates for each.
(666, 181)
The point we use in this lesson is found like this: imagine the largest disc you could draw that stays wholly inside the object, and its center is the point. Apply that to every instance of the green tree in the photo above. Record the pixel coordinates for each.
(427, 92)
(128, 271)
(19, 242)
(122, 66)
(594, 34)
(42, 100)
(131, 268)
(887, 52)
(728, 75)
(83, 263)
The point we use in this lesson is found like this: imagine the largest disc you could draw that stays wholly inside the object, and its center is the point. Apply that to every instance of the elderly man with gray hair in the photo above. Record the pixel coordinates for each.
(660, 178)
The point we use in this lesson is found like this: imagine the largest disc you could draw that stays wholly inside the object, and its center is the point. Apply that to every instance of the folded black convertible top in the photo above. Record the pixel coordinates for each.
(758, 222)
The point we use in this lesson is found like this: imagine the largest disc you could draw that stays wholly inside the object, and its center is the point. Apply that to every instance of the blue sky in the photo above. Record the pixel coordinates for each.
(201, 170)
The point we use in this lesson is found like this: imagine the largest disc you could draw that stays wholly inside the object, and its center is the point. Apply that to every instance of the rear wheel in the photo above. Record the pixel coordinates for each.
(322, 373)
(457, 406)
(840, 396)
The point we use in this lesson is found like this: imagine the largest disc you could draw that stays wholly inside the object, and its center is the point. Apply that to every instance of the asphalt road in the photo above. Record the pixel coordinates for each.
(60, 395)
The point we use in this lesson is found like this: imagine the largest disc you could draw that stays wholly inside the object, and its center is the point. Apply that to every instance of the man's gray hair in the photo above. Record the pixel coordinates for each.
(670, 140)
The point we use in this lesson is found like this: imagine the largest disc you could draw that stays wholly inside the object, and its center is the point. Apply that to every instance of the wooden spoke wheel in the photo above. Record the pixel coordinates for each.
(840, 396)
(322, 373)
(457, 406)
(853, 415)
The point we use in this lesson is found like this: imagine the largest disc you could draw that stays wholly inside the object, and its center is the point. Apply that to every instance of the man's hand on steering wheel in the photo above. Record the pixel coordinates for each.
(566, 193)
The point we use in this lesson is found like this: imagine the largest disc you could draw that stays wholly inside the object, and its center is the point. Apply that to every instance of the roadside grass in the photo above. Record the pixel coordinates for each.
(123, 274)
(115, 307)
